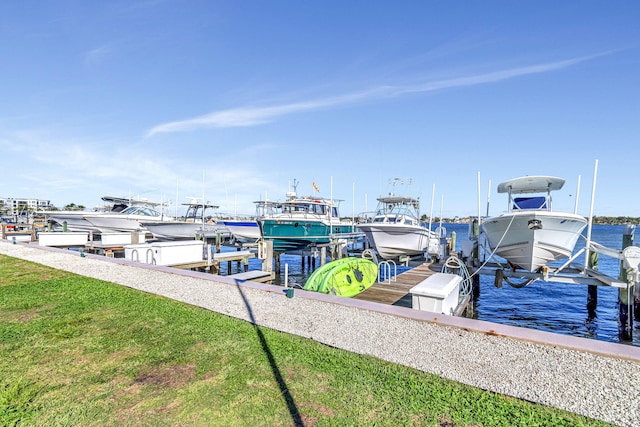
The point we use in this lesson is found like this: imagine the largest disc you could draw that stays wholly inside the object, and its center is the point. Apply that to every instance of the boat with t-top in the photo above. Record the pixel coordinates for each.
(396, 228)
(74, 220)
(198, 221)
(530, 234)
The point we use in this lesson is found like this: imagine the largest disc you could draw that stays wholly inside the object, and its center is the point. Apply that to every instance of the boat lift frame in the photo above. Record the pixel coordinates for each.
(571, 272)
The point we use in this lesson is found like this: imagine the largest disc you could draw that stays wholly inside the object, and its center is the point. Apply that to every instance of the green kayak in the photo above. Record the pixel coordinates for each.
(345, 277)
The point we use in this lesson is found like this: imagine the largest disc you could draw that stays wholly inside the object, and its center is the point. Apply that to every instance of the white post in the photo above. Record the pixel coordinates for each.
(286, 276)
(575, 208)
(353, 206)
(433, 194)
(488, 196)
(593, 196)
(479, 214)
(441, 205)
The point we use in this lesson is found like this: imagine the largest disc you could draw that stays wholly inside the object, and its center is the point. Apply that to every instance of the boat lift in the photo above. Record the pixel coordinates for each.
(569, 272)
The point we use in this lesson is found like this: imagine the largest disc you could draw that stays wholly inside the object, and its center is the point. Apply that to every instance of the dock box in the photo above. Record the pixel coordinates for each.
(63, 238)
(437, 293)
(140, 252)
(19, 237)
(178, 252)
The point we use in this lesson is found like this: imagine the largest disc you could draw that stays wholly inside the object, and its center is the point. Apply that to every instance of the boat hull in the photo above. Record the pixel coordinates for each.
(392, 241)
(180, 230)
(119, 222)
(292, 235)
(243, 231)
(73, 220)
(530, 240)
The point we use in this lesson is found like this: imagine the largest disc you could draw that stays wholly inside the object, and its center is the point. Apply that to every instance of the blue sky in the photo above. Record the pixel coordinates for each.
(167, 100)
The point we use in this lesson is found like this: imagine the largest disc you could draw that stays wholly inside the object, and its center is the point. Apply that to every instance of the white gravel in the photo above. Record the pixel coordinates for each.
(596, 379)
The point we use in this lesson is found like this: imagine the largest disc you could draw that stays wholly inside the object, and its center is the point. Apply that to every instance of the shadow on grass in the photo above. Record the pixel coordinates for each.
(291, 404)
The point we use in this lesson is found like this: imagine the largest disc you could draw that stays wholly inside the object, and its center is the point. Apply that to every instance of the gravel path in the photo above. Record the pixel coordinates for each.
(593, 378)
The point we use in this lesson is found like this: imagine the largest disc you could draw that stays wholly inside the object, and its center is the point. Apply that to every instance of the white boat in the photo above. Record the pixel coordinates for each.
(75, 220)
(196, 222)
(530, 234)
(129, 219)
(243, 230)
(246, 230)
(396, 229)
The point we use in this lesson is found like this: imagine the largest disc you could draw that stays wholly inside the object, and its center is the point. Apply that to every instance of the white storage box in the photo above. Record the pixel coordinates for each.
(19, 237)
(178, 252)
(139, 253)
(63, 238)
(437, 293)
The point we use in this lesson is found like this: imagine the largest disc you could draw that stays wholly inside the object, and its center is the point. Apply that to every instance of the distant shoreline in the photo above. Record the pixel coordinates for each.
(600, 220)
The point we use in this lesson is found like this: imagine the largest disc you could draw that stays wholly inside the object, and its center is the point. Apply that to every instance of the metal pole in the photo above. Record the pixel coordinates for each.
(575, 208)
(593, 196)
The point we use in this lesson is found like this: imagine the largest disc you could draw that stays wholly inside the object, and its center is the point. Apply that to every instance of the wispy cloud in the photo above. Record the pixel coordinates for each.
(99, 54)
(252, 116)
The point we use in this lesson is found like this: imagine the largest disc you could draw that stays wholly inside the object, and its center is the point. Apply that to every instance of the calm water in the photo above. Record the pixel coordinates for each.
(546, 306)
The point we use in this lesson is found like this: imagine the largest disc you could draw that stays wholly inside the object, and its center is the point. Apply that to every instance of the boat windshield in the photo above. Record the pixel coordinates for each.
(140, 210)
(306, 207)
(529, 203)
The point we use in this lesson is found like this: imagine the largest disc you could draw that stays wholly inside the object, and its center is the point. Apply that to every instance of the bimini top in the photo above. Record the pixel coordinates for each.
(531, 184)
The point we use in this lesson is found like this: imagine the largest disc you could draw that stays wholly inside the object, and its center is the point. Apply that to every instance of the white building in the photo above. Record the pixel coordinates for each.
(15, 206)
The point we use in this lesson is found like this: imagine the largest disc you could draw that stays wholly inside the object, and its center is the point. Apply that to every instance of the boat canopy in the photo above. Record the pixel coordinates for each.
(531, 184)
(396, 199)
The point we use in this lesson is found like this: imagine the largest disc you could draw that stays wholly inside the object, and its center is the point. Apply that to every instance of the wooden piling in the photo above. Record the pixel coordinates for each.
(265, 249)
(592, 290)
(475, 281)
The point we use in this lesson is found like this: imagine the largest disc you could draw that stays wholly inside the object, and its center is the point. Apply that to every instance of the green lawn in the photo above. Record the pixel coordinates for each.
(76, 351)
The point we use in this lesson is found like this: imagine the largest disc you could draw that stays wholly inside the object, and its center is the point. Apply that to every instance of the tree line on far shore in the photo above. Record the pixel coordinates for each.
(608, 220)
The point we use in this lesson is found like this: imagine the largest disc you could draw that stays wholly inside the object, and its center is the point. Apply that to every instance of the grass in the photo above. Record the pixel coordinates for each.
(76, 351)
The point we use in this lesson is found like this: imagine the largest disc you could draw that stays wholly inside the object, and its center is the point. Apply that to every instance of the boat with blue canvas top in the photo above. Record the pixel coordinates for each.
(530, 234)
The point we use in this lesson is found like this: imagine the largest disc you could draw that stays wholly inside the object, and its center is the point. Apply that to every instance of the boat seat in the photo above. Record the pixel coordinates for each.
(521, 203)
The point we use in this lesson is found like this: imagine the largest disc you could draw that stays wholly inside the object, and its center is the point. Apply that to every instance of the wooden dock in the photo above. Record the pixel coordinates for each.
(213, 264)
(397, 292)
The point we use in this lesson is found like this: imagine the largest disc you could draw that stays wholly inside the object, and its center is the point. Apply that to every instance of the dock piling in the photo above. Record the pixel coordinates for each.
(475, 288)
(625, 296)
(592, 290)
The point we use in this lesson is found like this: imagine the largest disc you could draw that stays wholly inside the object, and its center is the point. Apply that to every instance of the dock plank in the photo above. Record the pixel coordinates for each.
(397, 292)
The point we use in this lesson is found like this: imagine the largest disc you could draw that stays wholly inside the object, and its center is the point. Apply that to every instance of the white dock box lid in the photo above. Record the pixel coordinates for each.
(437, 293)
(177, 252)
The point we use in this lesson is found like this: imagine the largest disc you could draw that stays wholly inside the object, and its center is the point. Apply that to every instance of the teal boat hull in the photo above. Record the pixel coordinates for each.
(292, 235)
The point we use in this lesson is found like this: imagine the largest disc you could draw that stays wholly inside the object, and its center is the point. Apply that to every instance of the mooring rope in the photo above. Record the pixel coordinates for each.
(454, 263)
